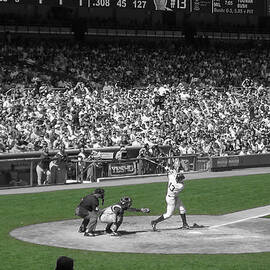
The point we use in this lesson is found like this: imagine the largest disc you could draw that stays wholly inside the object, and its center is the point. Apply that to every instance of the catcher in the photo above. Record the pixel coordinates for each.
(175, 186)
(113, 215)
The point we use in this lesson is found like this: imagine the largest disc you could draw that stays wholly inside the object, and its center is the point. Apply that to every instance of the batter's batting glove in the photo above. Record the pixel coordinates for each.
(145, 210)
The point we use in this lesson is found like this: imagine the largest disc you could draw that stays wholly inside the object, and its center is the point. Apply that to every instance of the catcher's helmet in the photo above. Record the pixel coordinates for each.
(126, 202)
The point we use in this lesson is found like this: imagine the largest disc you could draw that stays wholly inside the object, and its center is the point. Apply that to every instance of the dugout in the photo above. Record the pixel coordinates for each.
(23, 165)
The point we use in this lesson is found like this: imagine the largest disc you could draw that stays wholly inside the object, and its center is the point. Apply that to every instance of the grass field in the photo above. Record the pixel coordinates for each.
(208, 196)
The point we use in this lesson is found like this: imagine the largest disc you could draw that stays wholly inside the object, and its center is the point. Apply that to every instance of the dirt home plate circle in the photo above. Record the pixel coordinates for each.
(241, 232)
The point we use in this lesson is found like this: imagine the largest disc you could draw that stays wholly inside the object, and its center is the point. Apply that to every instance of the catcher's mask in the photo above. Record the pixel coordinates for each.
(126, 202)
(179, 177)
(101, 192)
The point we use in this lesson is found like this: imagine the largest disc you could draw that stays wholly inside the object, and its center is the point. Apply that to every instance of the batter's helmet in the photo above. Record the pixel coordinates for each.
(180, 177)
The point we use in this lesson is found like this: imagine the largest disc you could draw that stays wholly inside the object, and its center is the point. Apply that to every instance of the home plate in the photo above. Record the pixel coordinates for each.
(194, 232)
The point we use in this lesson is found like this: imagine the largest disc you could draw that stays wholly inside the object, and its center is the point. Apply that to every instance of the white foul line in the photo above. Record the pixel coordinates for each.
(239, 220)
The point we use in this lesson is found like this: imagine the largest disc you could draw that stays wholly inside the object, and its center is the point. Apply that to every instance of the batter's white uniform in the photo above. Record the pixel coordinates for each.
(172, 199)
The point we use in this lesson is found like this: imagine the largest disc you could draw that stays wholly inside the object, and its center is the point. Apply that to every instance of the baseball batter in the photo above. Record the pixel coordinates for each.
(114, 214)
(175, 186)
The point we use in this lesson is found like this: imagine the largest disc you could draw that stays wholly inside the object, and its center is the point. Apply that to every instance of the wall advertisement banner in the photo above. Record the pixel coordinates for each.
(125, 168)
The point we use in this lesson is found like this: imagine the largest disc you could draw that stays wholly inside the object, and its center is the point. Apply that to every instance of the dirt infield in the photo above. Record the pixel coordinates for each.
(240, 232)
(222, 234)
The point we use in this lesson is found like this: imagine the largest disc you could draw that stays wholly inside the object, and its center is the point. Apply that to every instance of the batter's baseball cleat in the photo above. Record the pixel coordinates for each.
(195, 225)
(185, 227)
(89, 234)
(154, 224)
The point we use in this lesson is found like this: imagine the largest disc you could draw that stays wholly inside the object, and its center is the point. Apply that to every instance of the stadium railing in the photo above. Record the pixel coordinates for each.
(22, 166)
(125, 32)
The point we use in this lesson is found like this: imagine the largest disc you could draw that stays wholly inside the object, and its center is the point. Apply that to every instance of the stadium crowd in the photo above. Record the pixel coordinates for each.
(209, 100)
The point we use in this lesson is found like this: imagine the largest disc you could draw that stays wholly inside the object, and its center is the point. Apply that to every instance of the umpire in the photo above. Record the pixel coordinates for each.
(88, 210)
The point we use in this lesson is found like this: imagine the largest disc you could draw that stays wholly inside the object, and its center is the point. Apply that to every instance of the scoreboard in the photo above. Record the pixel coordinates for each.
(268, 7)
(237, 7)
(245, 7)
(166, 5)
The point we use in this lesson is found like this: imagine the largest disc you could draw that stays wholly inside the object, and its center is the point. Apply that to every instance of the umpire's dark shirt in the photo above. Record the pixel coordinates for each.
(89, 202)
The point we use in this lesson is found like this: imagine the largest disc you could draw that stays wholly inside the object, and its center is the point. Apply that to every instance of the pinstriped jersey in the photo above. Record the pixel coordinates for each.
(174, 188)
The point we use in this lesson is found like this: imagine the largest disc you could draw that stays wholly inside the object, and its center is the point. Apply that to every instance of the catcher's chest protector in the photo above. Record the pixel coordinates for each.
(109, 215)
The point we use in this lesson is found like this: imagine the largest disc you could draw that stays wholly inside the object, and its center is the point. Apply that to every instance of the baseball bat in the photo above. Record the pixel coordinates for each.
(158, 164)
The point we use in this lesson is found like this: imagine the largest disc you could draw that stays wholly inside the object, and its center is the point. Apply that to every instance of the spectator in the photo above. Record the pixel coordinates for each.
(81, 164)
(201, 105)
(144, 154)
(121, 154)
(64, 263)
(93, 167)
(43, 169)
(58, 167)
(15, 180)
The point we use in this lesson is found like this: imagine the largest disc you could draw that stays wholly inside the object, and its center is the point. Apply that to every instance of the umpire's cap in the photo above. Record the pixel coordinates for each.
(99, 191)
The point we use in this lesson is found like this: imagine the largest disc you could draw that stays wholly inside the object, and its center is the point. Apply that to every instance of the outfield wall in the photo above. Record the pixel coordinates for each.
(238, 162)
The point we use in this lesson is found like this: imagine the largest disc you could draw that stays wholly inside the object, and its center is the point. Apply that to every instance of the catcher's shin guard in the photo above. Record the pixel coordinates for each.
(82, 229)
(108, 228)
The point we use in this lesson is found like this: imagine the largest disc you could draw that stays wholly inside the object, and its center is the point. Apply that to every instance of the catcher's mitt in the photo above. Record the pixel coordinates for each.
(145, 210)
